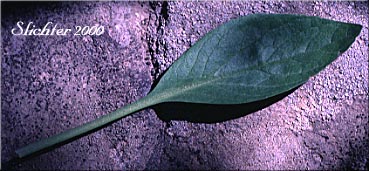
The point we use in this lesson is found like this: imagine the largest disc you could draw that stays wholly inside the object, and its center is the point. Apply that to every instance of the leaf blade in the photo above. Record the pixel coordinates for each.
(250, 66)
(255, 57)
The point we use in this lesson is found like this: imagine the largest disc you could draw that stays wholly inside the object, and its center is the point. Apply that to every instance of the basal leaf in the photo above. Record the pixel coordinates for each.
(247, 59)
(255, 57)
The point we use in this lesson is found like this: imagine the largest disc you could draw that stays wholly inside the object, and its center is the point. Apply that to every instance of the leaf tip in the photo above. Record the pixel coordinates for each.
(356, 29)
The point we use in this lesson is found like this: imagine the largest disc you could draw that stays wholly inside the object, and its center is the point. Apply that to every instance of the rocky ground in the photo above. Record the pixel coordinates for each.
(52, 83)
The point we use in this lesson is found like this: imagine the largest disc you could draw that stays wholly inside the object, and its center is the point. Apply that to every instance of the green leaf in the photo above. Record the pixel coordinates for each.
(245, 60)
(255, 57)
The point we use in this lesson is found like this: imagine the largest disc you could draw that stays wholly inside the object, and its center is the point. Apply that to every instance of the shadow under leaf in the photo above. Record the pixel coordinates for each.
(210, 113)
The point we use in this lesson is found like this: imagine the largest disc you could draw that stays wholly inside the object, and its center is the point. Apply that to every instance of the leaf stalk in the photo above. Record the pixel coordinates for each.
(79, 131)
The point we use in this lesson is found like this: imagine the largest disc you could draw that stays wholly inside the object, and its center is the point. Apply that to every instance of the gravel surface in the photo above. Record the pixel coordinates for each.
(52, 83)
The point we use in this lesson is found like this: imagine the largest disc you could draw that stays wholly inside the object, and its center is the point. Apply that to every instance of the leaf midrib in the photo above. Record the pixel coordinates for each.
(167, 95)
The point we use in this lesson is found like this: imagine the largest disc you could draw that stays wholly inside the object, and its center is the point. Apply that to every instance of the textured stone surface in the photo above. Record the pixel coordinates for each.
(50, 84)
(315, 127)
(53, 83)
